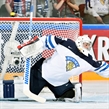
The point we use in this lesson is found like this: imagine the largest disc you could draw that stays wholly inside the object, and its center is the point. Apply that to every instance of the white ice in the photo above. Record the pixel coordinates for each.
(95, 96)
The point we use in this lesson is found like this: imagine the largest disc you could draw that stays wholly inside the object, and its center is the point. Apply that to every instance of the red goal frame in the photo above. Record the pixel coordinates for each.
(45, 19)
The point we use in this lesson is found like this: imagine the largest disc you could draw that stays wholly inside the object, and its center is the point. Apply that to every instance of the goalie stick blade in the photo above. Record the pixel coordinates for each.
(34, 97)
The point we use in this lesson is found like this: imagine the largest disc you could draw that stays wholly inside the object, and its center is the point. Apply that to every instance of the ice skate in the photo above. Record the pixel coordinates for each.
(78, 96)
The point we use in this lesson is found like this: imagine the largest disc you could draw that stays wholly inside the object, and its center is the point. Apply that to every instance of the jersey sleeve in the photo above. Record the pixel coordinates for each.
(50, 41)
(103, 70)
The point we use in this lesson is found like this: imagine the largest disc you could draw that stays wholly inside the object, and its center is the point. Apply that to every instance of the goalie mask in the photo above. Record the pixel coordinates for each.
(84, 44)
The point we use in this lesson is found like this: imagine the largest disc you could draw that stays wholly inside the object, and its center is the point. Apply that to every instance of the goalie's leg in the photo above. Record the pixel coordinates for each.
(67, 92)
(37, 83)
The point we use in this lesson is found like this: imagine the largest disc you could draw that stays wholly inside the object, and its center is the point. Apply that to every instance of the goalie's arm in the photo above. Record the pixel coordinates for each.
(99, 67)
(37, 45)
(50, 41)
(103, 69)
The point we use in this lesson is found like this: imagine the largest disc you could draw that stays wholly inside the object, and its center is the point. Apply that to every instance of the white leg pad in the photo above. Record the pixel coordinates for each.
(78, 92)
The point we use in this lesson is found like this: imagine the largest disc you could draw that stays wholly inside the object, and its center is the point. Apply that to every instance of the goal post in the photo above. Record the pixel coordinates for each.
(63, 27)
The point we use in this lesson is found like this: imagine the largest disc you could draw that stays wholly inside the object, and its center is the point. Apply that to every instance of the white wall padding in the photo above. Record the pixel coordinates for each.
(18, 88)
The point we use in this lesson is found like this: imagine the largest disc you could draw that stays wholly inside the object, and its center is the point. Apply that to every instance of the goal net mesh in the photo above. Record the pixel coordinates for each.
(65, 27)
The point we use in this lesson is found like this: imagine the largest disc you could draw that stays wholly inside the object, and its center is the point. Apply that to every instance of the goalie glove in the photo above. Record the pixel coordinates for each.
(103, 70)
(32, 47)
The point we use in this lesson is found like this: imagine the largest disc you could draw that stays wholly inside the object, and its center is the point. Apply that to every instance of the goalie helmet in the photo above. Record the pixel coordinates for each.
(80, 44)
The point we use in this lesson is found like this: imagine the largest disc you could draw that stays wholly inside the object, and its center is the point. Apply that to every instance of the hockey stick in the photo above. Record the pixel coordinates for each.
(26, 82)
(7, 49)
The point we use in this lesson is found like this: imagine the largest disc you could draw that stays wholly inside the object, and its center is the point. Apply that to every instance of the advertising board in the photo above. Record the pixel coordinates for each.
(99, 35)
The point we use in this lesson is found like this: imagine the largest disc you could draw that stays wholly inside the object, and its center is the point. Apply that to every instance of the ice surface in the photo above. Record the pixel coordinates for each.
(95, 96)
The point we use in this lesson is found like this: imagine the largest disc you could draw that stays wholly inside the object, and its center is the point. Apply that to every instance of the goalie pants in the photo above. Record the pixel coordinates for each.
(37, 83)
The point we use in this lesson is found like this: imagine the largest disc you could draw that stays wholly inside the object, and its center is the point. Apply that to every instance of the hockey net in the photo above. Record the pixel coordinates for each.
(63, 27)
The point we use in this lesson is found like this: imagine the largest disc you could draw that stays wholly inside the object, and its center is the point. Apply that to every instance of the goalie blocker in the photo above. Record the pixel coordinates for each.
(35, 47)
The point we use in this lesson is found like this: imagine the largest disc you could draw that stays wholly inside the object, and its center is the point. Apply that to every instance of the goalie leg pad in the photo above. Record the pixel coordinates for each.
(32, 47)
(78, 93)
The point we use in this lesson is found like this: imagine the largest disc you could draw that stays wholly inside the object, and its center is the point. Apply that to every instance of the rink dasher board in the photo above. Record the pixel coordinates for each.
(18, 89)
